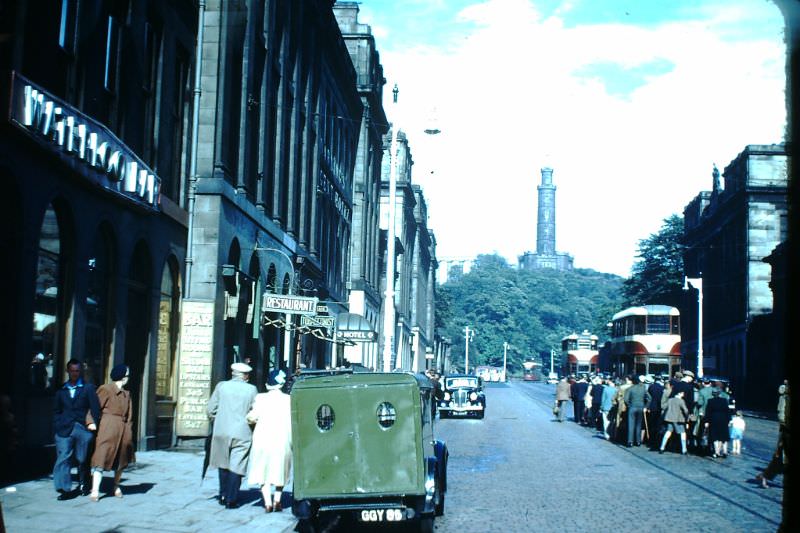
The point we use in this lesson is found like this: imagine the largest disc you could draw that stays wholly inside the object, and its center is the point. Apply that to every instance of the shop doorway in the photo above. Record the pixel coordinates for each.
(137, 337)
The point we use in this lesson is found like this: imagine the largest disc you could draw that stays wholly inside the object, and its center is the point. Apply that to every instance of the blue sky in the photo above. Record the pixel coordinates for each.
(630, 102)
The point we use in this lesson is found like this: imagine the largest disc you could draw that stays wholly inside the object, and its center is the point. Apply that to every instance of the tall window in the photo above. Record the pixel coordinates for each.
(167, 331)
(66, 29)
(150, 84)
(47, 320)
(112, 54)
(98, 295)
(171, 173)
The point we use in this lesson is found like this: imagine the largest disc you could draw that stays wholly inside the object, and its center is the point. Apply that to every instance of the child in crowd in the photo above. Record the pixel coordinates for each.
(737, 426)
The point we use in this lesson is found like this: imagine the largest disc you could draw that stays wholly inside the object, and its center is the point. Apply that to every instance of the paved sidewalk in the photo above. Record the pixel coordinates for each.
(162, 492)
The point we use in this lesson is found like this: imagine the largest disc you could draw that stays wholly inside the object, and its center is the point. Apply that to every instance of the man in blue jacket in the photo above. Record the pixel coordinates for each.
(73, 432)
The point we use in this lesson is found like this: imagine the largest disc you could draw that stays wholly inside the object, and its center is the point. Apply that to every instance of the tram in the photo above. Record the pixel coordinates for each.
(579, 353)
(529, 371)
(646, 340)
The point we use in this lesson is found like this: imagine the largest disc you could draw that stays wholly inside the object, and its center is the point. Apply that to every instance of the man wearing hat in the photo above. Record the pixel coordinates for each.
(231, 438)
(686, 386)
(636, 399)
(702, 396)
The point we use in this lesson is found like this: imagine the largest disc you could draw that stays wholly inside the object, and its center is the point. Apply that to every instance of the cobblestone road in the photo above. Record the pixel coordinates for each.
(518, 470)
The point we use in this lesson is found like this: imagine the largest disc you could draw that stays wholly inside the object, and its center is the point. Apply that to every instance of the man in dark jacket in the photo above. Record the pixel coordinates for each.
(72, 433)
(578, 392)
(597, 397)
(656, 390)
(636, 399)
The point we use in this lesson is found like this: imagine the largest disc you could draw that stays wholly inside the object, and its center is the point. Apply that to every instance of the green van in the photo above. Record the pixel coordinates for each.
(364, 449)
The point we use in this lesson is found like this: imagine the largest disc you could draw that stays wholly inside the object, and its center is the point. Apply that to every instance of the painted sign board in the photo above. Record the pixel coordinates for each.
(194, 367)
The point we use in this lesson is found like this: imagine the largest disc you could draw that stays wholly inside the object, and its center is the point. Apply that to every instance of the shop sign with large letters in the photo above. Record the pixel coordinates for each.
(81, 142)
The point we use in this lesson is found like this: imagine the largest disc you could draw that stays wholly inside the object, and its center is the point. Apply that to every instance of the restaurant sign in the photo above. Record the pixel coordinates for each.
(289, 304)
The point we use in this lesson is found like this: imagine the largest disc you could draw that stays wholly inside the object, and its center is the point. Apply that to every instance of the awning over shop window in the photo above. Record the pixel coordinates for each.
(354, 327)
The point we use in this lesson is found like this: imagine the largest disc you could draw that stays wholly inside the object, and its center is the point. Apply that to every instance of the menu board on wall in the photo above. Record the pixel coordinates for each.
(194, 367)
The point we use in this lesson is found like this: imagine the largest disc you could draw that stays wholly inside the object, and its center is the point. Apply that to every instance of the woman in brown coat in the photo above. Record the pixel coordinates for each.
(114, 444)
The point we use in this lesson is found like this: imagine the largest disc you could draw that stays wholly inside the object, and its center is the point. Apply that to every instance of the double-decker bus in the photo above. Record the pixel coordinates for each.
(579, 354)
(646, 340)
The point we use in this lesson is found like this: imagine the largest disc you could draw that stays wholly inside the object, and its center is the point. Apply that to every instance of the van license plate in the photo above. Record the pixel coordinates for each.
(382, 515)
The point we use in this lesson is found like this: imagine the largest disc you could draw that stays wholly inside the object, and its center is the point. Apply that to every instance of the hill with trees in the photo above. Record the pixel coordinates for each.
(532, 310)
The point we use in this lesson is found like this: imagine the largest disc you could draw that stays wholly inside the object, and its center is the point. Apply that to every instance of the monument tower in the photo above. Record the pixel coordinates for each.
(546, 255)
(546, 223)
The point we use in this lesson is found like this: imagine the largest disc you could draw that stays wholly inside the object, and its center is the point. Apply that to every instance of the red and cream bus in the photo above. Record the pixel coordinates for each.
(646, 340)
(579, 354)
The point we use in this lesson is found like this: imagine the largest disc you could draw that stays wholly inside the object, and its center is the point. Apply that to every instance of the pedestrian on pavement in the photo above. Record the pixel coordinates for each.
(675, 419)
(736, 433)
(780, 456)
(685, 385)
(653, 411)
(114, 448)
(597, 398)
(702, 397)
(717, 418)
(606, 405)
(76, 412)
(562, 397)
(578, 392)
(271, 455)
(587, 402)
(621, 421)
(636, 399)
(231, 436)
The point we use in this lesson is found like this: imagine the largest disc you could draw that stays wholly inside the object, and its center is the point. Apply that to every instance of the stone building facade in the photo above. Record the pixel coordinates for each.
(546, 255)
(415, 271)
(365, 263)
(729, 231)
(423, 287)
(278, 140)
(92, 158)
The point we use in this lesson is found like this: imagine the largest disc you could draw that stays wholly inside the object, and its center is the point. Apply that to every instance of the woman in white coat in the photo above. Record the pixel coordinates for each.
(271, 453)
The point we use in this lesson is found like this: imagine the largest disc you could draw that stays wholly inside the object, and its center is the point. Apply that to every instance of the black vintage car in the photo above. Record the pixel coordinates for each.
(462, 396)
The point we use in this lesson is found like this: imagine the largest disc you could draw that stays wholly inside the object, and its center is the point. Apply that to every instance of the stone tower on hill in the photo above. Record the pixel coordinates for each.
(546, 255)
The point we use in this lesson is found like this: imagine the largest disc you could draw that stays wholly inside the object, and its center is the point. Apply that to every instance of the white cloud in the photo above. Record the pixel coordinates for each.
(509, 100)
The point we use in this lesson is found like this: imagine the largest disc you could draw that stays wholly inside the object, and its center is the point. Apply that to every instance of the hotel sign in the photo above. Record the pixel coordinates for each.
(81, 142)
(289, 304)
(356, 335)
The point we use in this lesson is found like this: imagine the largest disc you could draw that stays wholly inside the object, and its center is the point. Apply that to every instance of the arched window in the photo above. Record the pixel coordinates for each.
(47, 307)
(97, 343)
(167, 331)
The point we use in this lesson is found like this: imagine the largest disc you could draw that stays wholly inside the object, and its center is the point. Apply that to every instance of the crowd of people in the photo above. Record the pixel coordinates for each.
(679, 414)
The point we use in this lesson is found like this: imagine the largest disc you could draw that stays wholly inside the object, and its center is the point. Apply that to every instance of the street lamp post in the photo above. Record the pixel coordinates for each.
(697, 283)
(388, 312)
(505, 359)
(468, 334)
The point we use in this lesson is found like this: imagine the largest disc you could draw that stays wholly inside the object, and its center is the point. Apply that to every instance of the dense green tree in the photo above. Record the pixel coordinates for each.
(657, 274)
(532, 310)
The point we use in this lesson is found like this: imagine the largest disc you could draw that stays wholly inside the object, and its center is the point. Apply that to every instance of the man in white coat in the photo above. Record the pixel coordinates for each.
(231, 437)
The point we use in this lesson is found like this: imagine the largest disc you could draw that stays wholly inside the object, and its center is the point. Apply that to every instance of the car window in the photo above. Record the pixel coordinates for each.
(461, 382)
